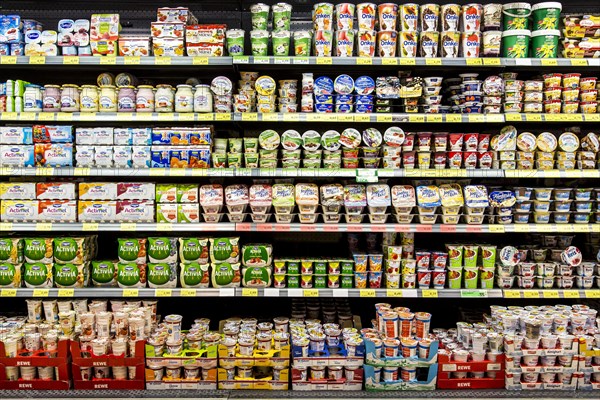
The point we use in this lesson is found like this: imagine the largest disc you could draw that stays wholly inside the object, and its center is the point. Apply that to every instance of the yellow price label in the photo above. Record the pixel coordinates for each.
(384, 118)
(311, 292)
(163, 292)
(512, 117)
(187, 292)
(429, 293)
(44, 171)
(433, 118)
(474, 61)
(543, 228)
(572, 117)
(37, 60)
(45, 116)
(108, 60)
(66, 292)
(512, 294)
(282, 60)
(534, 117)
(531, 294)
(592, 293)
(345, 118)
(6, 226)
(223, 117)
(324, 61)
(79, 171)
(8, 293)
(131, 292)
(9, 116)
(521, 228)
(162, 60)
(89, 227)
(578, 228)
(200, 61)
(496, 229)
(364, 61)
(205, 117)
(549, 62)
(476, 118)
(433, 61)
(43, 226)
(8, 60)
(41, 292)
(125, 116)
(367, 292)
(417, 118)
(550, 294)
(188, 117)
(494, 118)
(393, 293)
(248, 292)
(166, 116)
(71, 60)
(292, 117)
(389, 61)
(128, 226)
(64, 116)
(270, 117)
(177, 171)
(491, 61)
(362, 118)
(157, 172)
(579, 62)
(164, 227)
(143, 116)
(453, 118)
(407, 61)
(249, 117)
(571, 294)
(131, 60)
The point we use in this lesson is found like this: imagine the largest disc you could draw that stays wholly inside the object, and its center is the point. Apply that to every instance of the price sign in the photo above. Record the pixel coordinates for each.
(433, 118)
(476, 118)
(367, 292)
(71, 60)
(291, 117)
(108, 60)
(407, 61)
(579, 62)
(473, 293)
(311, 293)
(44, 171)
(131, 60)
(200, 61)
(512, 294)
(164, 227)
(521, 228)
(394, 293)
(389, 61)
(261, 60)
(81, 171)
(8, 60)
(491, 61)
(66, 292)
(496, 229)
(37, 60)
(512, 117)
(282, 60)
(549, 62)
(366, 175)
(531, 294)
(362, 118)
(89, 226)
(571, 294)
(131, 292)
(177, 171)
(163, 292)
(433, 61)
(43, 226)
(324, 61)
(592, 294)
(430, 293)
(241, 60)
(533, 117)
(223, 117)
(248, 292)
(8, 293)
(41, 292)
(473, 61)
(417, 118)
(453, 118)
(364, 61)
(301, 60)
(128, 227)
(550, 294)
(188, 292)
(162, 60)
(384, 118)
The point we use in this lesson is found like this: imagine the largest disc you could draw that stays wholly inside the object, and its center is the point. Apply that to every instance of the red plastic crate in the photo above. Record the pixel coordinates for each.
(109, 361)
(447, 367)
(59, 358)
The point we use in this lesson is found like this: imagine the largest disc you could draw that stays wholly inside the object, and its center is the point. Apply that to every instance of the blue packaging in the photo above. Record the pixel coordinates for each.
(16, 135)
(4, 49)
(324, 99)
(199, 158)
(323, 108)
(344, 99)
(364, 85)
(364, 108)
(364, 99)
(159, 157)
(344, 108)
(161, 136)
(323, 85)
(30, 24)
(178, 158)
(17, 49)
(60, 133)
(17, 155)
(344, 84)
(10, 29)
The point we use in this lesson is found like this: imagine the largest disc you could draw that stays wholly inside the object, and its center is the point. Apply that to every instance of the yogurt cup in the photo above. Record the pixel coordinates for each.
(365, 16)
(388, 16)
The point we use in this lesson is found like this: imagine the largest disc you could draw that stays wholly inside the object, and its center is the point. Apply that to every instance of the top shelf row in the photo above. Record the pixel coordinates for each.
(132, 61)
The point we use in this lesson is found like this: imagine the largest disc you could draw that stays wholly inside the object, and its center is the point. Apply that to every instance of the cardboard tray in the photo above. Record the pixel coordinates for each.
(256, 384)
(447, 367)
(372, 359)
(109, 361)
(326, 359)
(429, 384)
(60, 359)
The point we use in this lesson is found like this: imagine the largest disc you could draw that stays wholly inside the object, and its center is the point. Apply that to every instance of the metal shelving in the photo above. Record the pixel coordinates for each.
(294, 293)
(126, 117)
(296, 62)
(296, 173)
(295, 227)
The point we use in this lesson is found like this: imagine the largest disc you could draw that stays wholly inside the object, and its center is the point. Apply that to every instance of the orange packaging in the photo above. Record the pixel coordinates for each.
(406, 324)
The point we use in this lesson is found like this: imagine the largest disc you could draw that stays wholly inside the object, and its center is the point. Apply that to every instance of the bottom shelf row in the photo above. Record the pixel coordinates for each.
(82, 345)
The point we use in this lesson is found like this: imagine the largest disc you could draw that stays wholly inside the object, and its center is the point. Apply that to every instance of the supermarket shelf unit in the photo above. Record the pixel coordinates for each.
(139, 10)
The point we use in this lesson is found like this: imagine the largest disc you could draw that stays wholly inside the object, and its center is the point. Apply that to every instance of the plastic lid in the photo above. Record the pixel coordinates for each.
(545, 32)
(547, 4)
(510, 6)
(517, 32)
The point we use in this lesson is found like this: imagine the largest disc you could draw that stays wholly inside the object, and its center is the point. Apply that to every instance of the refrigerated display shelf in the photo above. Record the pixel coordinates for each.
(294, 227)
(362, 174)
(295, 293)
(124, 117)
(290, 61)
(482, 394)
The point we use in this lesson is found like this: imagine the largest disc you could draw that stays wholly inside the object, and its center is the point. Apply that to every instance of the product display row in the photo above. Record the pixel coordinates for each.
(515, 30)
